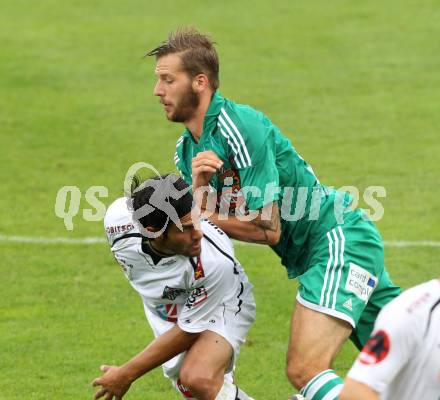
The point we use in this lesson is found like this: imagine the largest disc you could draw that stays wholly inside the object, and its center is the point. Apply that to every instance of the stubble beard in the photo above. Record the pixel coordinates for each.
(185, 109)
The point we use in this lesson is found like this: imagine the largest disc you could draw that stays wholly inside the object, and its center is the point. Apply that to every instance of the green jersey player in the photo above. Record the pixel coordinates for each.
(266, 193)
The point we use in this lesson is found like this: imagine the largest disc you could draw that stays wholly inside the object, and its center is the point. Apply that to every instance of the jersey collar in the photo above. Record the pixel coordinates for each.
(211, 116)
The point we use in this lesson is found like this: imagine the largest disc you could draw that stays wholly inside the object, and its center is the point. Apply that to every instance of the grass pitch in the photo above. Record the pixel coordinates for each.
(354, 85)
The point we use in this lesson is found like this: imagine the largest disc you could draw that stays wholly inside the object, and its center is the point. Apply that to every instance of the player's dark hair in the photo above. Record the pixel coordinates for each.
(196, 51)
(159, 193)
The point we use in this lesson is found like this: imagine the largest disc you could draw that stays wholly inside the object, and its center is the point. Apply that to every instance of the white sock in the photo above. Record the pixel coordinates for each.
(231, 392)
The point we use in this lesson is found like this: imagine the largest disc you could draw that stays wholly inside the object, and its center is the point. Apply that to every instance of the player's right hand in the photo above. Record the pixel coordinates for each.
(114, 384)
(204, 165)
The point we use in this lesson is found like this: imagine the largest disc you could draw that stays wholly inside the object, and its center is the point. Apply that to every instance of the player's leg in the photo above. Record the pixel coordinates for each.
(205, 365)
(344, 269)
(171, 368)
(204, 368)
(186, 393)
(238, 325)
(315, 340)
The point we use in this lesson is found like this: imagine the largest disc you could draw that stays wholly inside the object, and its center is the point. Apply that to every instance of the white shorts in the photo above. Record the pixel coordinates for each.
(228, 322)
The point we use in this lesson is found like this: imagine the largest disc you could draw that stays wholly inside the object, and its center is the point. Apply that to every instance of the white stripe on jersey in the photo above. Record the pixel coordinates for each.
(240, 137)
(179, 141)
(341, 262)
(330, 259)
(333, 272)
(246, 158)
(335, 264)
(176, 158)
(231, 145)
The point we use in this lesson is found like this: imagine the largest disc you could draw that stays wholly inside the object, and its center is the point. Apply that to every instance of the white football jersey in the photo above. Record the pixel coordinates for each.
(209, 292)
(401, 360)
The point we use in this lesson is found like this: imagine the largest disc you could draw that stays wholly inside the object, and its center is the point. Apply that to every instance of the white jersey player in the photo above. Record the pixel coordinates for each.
(199, 291)
(401, 360)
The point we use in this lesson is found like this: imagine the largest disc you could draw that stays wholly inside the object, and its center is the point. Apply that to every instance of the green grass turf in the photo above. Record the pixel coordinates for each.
(354, 85)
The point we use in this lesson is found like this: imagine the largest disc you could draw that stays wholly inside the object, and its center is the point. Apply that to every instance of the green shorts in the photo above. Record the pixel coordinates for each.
(346, 276)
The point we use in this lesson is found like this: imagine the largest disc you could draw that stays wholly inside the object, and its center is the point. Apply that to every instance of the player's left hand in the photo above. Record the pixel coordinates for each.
(114, 384)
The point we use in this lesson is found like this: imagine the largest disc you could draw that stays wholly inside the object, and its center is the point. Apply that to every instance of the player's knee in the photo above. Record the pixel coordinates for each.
(203, 388)
(200, 383)
(295, 375)
(300, 372)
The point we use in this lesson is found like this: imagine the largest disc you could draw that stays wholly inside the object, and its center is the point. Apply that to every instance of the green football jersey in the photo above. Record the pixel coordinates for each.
(261, 165)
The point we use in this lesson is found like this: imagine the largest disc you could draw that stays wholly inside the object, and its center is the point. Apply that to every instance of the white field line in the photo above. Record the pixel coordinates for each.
(99, 240)
(51, 240)
(408, 243)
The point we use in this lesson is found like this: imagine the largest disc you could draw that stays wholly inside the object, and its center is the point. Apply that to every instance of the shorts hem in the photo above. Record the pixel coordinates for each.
(325, 310)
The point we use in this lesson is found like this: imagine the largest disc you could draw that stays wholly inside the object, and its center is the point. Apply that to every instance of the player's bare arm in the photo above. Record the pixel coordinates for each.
(117, 379)
(259, 230)
(264, 227)
(268, 228)
(354, 390)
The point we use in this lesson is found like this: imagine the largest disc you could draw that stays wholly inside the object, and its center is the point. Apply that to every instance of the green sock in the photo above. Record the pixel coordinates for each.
(324, 386)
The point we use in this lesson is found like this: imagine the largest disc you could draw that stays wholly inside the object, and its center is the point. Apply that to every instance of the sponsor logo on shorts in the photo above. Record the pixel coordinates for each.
(167, 312)
(172, 293)
(360, 282)
(197, 296)
(376, 349)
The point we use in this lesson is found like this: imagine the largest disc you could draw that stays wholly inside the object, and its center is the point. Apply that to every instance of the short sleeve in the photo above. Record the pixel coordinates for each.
(250, 136)
(387, 350)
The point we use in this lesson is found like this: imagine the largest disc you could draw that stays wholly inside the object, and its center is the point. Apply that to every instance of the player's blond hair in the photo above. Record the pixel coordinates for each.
(196, 51)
